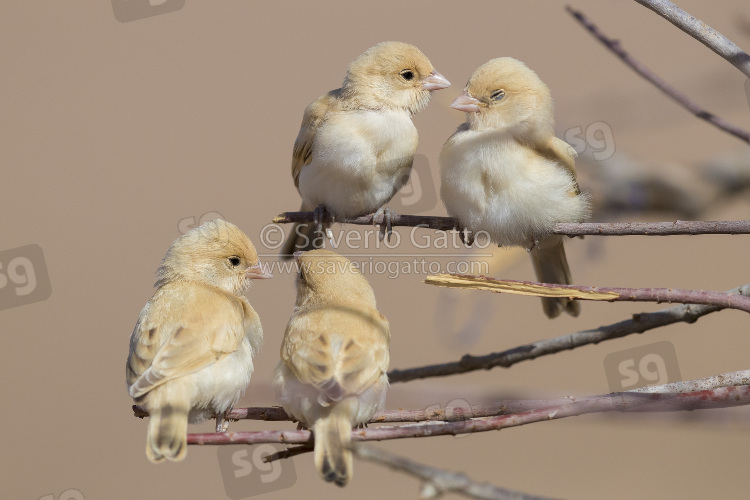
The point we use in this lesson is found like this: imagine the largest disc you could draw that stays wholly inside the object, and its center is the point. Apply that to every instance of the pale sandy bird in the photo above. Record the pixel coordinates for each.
(356, 145)
(191, 352)
(334, 358)
(504, 172)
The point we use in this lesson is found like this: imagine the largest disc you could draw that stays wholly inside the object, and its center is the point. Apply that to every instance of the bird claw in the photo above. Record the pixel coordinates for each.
(320, 214)
(466, 236)
(222, 423)
(385, 227)
(532, 245)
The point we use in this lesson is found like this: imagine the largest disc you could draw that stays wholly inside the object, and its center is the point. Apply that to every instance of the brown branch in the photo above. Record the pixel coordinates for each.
(638, 67)
(448, 414)
(722, 397)
(638, 324)
(702, 32)
(659, 295)
(439, 481)
(567, 228)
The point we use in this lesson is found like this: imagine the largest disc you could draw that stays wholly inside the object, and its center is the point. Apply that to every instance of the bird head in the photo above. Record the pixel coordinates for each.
(504, 94)
(216, 253)
(392, 75)
(326, 278)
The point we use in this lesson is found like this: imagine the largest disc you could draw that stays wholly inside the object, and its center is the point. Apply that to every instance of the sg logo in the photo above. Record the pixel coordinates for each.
(70, 494)
(132, 10)
(23, 277)
(418, 194)
(652, 364)
(245, 474)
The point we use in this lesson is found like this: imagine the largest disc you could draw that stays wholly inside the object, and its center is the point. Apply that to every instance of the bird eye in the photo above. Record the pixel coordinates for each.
(407, 74)
(497, 95)
(234, 260)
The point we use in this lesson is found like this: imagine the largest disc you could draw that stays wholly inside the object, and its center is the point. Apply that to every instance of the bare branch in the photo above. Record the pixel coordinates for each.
(720, 299)
(448, 414)
(741, 377)
(721, 397)
(439, 481)
(638, 324)
(569, 229)
(638, 67)
(653, 228)
(701, 32)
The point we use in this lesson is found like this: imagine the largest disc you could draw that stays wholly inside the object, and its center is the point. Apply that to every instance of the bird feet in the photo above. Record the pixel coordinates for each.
(465, 235)
(385, 226)
(222, 423)
(320, 214)
(532, 245)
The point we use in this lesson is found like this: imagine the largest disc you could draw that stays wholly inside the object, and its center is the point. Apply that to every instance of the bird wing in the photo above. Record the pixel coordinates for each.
(314, 115)
(182, 329)
(562, 153)
(339, 350)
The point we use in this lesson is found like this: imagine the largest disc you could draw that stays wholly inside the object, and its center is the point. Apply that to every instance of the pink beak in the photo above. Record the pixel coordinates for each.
(435, 81)
(257, 272)
(466, 103)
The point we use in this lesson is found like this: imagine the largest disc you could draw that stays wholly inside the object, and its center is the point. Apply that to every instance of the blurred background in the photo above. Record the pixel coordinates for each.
(124, 124)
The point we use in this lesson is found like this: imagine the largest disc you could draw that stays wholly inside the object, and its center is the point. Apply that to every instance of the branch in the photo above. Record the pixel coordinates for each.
(567, 228)
(702, 32)
(638, 324)
(448, 414)
(439, 481)
(721, 397)
(720, 299)
(680, 98)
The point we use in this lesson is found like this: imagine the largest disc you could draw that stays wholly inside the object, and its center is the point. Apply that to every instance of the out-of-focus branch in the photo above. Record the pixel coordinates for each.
(720, 299)
(721, 397)
(638, 324)
(569, 229)
(638, 67)
(438, 481)
(625, 187)
(702, 32)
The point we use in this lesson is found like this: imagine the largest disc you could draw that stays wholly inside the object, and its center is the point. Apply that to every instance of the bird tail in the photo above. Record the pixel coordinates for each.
(302, 239)
(551, 266)
(333, 438)
(167, 431)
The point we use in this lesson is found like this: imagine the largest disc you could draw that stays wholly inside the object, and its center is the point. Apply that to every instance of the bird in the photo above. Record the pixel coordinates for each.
(356, 144)
(191, 351)
(504, 172)
(334, 358)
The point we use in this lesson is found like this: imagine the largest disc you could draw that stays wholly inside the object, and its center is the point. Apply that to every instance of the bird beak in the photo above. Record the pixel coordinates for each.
(466, 103)
(435, 81)
(257, 272)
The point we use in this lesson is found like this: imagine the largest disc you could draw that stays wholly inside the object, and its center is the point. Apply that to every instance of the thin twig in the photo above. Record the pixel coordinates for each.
(567, 228)
(702, 32)
(638, 324)
(638, 67)
(439, 481)
(659, 295)
(722, 397)
(448, 414)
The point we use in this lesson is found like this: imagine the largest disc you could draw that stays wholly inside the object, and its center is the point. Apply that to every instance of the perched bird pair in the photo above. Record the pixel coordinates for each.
(503, 171)
(191, 352)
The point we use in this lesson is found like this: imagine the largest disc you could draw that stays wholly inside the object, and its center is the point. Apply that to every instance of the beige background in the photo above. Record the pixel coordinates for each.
(112, 133)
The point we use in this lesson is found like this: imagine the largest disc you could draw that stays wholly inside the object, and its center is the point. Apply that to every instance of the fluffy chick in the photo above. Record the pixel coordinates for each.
(334, 358)
(504, 172)
(356, 145)
(191, 352)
